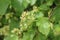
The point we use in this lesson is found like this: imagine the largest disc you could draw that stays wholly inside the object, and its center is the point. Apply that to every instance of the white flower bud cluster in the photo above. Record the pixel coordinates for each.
(16, 31)
(27, 19)
(8, 15)
(4, 30)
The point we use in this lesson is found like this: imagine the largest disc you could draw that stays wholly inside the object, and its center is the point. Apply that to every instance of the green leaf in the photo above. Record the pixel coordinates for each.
(29, 35)
(43, 25)
(57, 29)
(3, 6)
(14, 23)
(39, 15)
(44, 7)
(32, 2)
(4, 21)
(39, 2)
(49, 2)
(11, 37)
(56, 14)
(19, 6)
(57, 2)
(40, 37)
(57, 37)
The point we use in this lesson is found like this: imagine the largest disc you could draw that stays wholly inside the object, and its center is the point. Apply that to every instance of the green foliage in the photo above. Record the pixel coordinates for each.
(56, 14)
(30, 19)
(11, 37)
(3, 6)
(43, 25)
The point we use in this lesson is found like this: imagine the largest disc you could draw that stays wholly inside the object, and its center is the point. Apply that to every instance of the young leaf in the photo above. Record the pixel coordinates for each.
(39, 15)
(43, 26)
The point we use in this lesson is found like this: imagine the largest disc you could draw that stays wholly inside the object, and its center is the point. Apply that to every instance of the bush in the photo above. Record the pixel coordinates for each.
(29, 19)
